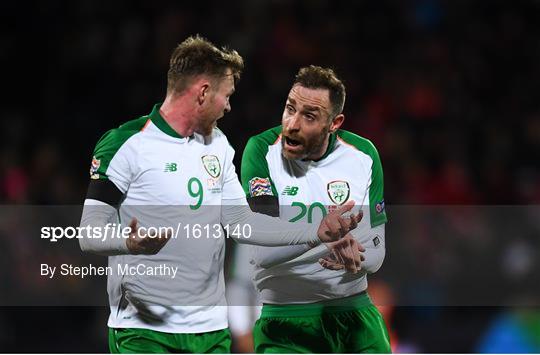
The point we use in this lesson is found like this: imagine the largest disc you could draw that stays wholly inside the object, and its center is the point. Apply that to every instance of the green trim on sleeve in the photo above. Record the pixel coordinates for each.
(254, 164)
(110, 143)
(376, 188)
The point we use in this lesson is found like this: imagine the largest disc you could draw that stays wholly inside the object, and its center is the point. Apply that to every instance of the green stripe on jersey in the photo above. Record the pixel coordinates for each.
(160, 122)
(111, 142)
(330, 148)
(252, 164)
(376, 188)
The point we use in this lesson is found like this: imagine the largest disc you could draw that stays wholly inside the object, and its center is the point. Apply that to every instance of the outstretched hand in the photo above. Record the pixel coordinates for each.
(139, 243)
(346, 253)
(335, 226)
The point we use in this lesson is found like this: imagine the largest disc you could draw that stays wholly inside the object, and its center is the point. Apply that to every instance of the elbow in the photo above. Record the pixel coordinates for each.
(84, 245)
(373, 268)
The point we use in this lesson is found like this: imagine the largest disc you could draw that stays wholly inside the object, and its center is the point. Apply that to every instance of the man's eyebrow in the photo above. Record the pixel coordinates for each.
(306, 107)
(312, 108)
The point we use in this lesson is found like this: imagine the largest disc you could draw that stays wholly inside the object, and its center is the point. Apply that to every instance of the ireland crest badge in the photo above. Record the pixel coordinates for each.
(338, 191)
(212, 166)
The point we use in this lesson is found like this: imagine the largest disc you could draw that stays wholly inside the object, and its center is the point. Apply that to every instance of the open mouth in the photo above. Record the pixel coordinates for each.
(292, 142)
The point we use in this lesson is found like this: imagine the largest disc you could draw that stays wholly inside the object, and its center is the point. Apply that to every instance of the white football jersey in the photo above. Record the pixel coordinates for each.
(167, 179)
(307, 190)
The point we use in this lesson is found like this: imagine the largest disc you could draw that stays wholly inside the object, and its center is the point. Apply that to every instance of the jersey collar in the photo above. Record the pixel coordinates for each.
(331, 145)
(156, 118)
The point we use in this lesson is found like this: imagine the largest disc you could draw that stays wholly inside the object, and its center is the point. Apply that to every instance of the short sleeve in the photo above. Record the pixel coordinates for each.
(376, 191)
(112, 159)
(256, 180)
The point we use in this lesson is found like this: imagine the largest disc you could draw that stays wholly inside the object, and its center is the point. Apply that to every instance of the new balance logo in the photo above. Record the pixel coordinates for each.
(170, 167)
(290, 190)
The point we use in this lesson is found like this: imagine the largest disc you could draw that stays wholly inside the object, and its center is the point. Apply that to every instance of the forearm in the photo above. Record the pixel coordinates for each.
(265, 230)
(266, 257)
(373, 240)
(97, 214)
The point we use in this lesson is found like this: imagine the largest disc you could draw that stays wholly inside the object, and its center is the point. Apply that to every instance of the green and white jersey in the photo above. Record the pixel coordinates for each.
(155, 167)
(307, 190)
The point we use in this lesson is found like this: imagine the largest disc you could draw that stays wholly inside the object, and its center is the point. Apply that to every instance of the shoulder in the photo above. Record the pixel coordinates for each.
(358, 143)
(219, 139)
(266, 138)
(259, 144)
(113, 139)
(110, 144)
(218, 133)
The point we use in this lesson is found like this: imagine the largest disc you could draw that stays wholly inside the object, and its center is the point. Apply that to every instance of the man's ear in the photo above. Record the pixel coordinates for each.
(337, 122)
(203, 92)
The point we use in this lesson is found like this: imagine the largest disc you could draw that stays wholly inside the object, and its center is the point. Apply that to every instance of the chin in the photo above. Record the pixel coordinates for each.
(292, 156)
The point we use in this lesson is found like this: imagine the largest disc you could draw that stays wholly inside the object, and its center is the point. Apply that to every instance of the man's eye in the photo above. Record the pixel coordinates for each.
(290, 109)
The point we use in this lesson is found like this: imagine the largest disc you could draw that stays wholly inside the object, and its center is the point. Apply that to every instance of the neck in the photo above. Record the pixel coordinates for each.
(319, 154)
(180, 114)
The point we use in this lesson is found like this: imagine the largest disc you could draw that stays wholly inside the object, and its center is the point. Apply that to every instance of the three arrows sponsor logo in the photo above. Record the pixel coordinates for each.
(170, 167)
(290, 190)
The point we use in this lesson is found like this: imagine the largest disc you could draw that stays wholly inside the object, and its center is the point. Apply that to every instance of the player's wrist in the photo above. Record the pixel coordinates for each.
(132, 247)
(314, 243)
(316, 240)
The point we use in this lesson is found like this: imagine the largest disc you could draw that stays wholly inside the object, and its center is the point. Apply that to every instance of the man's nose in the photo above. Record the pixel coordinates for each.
(228, 107)
(293, 123)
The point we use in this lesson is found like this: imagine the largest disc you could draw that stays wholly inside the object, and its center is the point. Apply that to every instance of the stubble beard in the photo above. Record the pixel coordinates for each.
(309, 150)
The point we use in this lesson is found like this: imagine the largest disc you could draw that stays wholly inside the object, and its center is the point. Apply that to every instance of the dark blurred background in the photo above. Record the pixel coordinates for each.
(448, 91)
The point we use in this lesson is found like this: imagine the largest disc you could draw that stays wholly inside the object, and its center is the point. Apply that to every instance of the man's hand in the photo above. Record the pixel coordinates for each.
(335, 226)
(346, 254)
(145, 244)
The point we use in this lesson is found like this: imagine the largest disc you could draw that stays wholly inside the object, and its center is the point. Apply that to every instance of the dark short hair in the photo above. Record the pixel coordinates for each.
(314, 77)
(198, 56)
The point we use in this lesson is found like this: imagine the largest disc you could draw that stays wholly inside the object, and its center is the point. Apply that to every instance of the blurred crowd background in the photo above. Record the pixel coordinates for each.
(448, 91)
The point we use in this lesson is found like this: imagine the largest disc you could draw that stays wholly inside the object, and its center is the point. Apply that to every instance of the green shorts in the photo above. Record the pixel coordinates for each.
(347, 325)
(132, 340)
